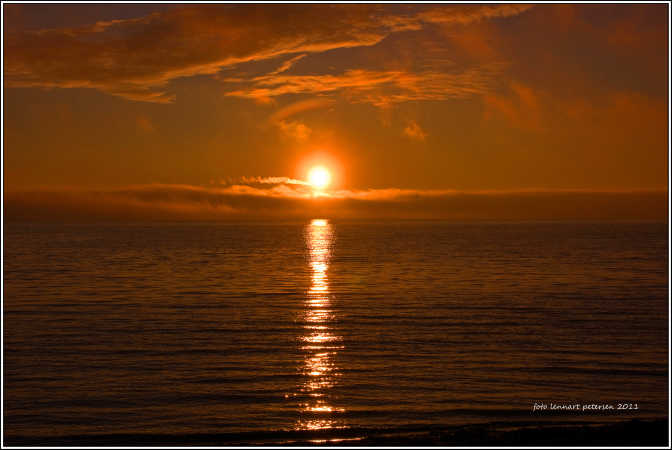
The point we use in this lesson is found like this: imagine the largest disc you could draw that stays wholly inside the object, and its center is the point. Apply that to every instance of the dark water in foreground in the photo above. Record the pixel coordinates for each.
(229, 328)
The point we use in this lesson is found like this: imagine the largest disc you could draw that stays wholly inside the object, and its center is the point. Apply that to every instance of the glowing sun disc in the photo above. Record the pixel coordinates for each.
(319, 177)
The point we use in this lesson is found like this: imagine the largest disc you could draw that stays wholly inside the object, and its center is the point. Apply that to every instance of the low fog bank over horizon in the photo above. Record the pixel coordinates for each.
(280, 202)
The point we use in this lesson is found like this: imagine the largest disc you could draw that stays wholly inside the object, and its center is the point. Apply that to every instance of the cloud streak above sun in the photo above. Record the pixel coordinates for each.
(202, 40)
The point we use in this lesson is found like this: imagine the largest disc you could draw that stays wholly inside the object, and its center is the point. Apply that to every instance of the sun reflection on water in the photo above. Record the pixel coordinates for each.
(320, 343)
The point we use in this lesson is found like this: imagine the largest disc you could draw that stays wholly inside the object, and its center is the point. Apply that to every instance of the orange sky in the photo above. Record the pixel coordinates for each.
(424, 111)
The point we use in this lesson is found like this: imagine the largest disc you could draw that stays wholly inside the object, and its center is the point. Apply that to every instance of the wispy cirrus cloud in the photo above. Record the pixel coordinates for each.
(285, 66)
(137, 58)
(474, 14)
(298, 107)
(292, 128)
(380, 88)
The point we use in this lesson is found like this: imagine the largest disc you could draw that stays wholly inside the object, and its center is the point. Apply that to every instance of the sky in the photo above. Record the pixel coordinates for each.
(199, 112)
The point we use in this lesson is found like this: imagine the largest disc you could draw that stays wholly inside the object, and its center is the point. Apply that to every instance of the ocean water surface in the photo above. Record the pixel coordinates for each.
(248, 328)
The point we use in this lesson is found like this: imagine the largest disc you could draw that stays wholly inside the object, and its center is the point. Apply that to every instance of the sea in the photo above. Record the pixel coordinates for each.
(258, 332)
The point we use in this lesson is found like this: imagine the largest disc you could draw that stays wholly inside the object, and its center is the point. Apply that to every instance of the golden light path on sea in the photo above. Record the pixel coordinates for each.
(319, 343)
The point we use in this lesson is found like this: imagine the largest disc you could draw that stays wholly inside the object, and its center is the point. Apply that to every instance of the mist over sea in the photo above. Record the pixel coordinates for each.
(260, 328)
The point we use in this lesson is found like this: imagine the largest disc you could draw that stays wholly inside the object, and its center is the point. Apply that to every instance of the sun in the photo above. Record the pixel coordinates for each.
(319, 177)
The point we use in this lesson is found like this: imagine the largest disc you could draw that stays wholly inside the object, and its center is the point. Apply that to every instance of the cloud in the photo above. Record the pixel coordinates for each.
(299, 107)
(624, 112)
(295, 130)
(287, 64)
(270, 180)
(414, 131)
(452, 14)
(282, 198)
(137, 58)
(520, 105)
(465, 15)
(380, 88)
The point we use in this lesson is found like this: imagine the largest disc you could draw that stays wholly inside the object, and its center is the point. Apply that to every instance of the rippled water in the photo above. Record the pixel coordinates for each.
(222, 328)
